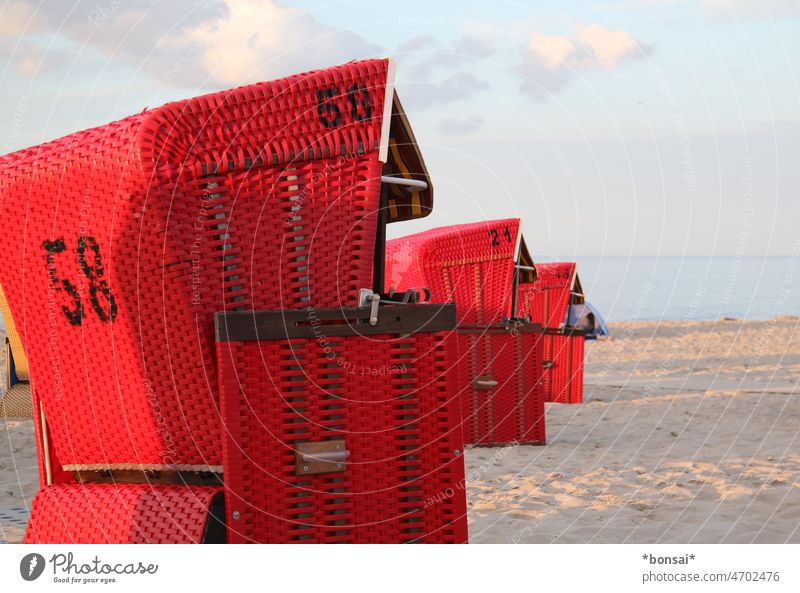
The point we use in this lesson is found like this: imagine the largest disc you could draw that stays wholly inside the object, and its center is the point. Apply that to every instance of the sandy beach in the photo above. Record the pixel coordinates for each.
(689, 434)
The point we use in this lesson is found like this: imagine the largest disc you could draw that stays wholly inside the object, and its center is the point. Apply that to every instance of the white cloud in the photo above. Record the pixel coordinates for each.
(16, 19)
(550, 61)
(30, 59)
(19, 24)
(592, 46)
(256, 41)
(553, 51)
(224, 42)
(607, 47)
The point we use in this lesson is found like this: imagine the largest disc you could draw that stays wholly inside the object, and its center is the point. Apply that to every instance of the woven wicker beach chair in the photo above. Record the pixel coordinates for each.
(474, 266)
(555, 299)
(15, 401)
(269, 197)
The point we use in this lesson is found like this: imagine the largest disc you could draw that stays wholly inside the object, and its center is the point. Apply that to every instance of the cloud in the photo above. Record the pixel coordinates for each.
(437, 73)
(474, 46)
(254, 41)
(607, 48)
(592, 46)
(224, 42)
(442, 91)
(459, 127)
(17, 19)
(550, 61)
(424, 56)
(31, 59)
(416, 44)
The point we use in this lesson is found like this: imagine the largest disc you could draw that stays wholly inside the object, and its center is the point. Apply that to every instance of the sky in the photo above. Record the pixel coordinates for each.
(657, 127)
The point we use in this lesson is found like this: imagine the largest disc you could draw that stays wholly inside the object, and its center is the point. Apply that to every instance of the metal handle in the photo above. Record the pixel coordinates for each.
(373, 309)
(367, 298)
(321, 457)
(329, 456)
(413, 185)
(484, 383)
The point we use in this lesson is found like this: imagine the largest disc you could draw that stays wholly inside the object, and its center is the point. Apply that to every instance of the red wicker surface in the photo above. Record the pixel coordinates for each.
(563, 380)
(259, 197)
(119, 514)
(469, 264)
(513, 411)
(404, 479)
(547, 299)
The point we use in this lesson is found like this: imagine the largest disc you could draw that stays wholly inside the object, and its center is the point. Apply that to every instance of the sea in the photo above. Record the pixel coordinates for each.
(701, 288)
(631, 288)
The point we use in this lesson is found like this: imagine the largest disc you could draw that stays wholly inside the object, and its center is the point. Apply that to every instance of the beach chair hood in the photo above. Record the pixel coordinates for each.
(472, 265)
(137, 232)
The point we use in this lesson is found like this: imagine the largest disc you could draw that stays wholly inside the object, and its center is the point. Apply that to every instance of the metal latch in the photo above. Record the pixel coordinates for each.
(484, 383)
(320, 458)
(368, 298)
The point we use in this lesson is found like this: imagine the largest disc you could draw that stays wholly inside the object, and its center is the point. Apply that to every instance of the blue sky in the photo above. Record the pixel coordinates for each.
(611, 128)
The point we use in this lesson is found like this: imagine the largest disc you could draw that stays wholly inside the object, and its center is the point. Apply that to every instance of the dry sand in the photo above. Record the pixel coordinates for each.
(690, 434)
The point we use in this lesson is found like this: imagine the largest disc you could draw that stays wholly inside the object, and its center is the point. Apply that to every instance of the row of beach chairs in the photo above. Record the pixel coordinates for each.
(217, 343)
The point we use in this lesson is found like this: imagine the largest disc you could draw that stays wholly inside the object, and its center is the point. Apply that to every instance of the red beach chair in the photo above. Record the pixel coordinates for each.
(547, 300)
(16, 399)
(339, 430)
(474, 266)
(271, 196)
